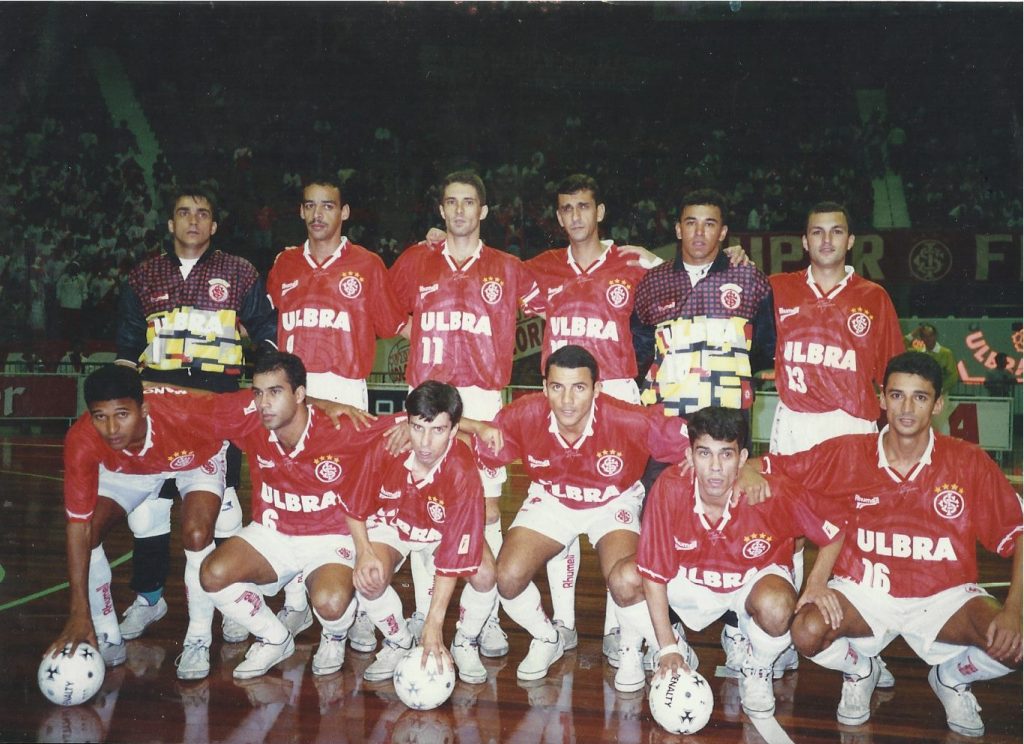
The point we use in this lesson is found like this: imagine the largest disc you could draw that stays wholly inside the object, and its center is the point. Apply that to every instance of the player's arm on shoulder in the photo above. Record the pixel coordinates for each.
(78, 628)
(737, 256)
(485, 432)
(640, 256)
(751, 483)
(336, 411)
(1004, 633)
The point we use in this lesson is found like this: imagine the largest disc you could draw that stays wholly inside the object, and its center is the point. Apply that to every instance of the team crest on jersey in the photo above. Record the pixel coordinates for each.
(181, 460)
(343, 553)
(490, 472)
(609, 463)
(948, 501)
(859, 322)
(617, 293)
(210, 467)
(218, 290)
(730, 295)
(624, 516)
(351, 284)
(435, 509)
(756, 545)
(491, 290)
(326, 469)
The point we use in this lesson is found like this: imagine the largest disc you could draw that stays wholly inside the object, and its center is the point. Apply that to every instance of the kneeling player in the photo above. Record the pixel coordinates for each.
(430, 502)
(702, 555)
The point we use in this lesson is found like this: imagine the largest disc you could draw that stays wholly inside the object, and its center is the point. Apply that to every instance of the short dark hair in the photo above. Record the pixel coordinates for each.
(322, 179)
(113, 382)
(468, 177)
(197, 192)
(272, 361)
(823, 207)
(915, 363)
(572, 357)
(705, 197)
(432, 398)
(721, 424)
(579, 182)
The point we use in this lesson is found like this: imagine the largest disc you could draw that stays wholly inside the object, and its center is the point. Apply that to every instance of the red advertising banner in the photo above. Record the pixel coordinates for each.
(38, 396)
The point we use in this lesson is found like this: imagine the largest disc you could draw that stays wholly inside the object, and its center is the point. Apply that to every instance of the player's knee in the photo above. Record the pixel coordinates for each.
(485, 577)
(810, 632)
(774, 613)
(511, 581)
(196, 536)
(330, 605)
(625, 584)
(212, 575)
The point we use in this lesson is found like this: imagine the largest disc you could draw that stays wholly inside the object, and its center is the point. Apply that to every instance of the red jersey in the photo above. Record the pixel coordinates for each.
(911, 536)
(606, 461)
(331, 314)
(463, 317)
(677, 539)
(590, 307)
(830, 349)
(446, 507)
(175, 441)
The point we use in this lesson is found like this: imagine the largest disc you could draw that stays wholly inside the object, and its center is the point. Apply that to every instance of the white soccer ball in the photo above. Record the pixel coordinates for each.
(73, 725)
(423, 687)
(681, 703)
(72, 677)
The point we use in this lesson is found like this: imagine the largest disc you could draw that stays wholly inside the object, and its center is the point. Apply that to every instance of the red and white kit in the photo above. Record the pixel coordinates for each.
(464, 317)
(331, 314)
(589, 307)
(910, 536)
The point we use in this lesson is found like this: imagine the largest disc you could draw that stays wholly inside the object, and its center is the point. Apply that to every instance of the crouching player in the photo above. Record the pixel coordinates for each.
(703, 552)
(431, 502)
(117, 456)
(917, 503)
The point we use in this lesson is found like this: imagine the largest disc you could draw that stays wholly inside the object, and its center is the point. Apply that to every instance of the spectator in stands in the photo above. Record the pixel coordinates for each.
(925, 338)
(72, 290)
(1000, 381)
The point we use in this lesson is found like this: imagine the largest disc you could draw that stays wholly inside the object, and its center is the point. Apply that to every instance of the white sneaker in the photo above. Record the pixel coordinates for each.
(466, 654)
(541, 656)
(362, 636)
(114, 654)
(415, 625)
(295, 620)
(756, 693)
(610, 647)
(788, 661)
(630, 677)
(330, 654)
(383, 667)
(194, 660)
(855, 703)
(735, 645)
(141, 615)
(233, 631)
(261, 656)
(886, 681)
(961, 706)
(570, 638)
(493, 640)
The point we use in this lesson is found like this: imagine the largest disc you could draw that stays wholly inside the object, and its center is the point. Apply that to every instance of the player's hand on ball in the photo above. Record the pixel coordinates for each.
(670, 664)
(76, 631)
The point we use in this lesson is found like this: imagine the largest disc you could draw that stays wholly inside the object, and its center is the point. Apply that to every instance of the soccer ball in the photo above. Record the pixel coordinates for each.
(681, 703)
(423, 687)
(72, 677)
(418, 726)
(79, 723)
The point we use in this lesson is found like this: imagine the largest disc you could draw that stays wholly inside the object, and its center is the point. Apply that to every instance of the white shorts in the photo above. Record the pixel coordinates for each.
(290, 555)
(483, 405)
(129, 491)
(623, 389)
(698, 606)
(543, 513)
(917, 619)
(380, 532)
(329, 386)
(793, 431)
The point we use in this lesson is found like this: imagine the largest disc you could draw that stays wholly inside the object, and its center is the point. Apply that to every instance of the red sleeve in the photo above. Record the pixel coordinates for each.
(462, 540)
(666, 436)
(1000, 518)
(531, 300)
(508, 421)
(362, 499)
(801, 510)
(388, 315)
(656, 556)
(225, 415)
(891, 342)
(81, 472)
(402, 276)
(274, 284)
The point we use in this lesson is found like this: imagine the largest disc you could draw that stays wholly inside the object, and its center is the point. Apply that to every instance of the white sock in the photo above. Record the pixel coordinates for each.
(764, 648)
(339, 627)
(843, 657)
(295, 593)
(563, 571)
(229, 519)
(101, 603)
(798, 569)
(494, 538)
(474, 609)
(422, 581)
(526, 610)
(970, 665)
(386, 613)
(635, 626)
(200, 606)
(243, 603)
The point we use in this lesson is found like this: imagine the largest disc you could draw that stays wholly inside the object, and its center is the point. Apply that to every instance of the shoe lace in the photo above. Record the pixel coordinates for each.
(966, 703)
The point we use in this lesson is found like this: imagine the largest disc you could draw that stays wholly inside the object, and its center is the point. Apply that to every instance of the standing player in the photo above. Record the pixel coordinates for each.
(333, 300)
(916, 503)
(463, 297)
(702, 555)
(431, 502)
(584, 454)
(181, 318)
(117, 456)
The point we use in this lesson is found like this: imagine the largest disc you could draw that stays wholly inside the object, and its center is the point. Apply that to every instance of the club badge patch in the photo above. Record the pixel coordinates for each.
(859, 322)
(491, 290)
(730, 295)
(617, 293)
(609, 463)
(948, 501)
(351, 284)
(218, 290)
(435, 509)
(754, 546)
(181, 460)
(326, 469)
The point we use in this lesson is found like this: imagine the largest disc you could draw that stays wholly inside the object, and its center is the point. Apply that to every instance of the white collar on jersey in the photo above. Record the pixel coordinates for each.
(835, 290)
(301, 444)
(926, 457)
(429, 477)
(588, 431)
(571, 259)
(149, 440)
(472, 259)
(333, 257)
(698, 509)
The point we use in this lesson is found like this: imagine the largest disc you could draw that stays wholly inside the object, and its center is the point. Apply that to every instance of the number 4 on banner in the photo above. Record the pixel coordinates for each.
(963, 422)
